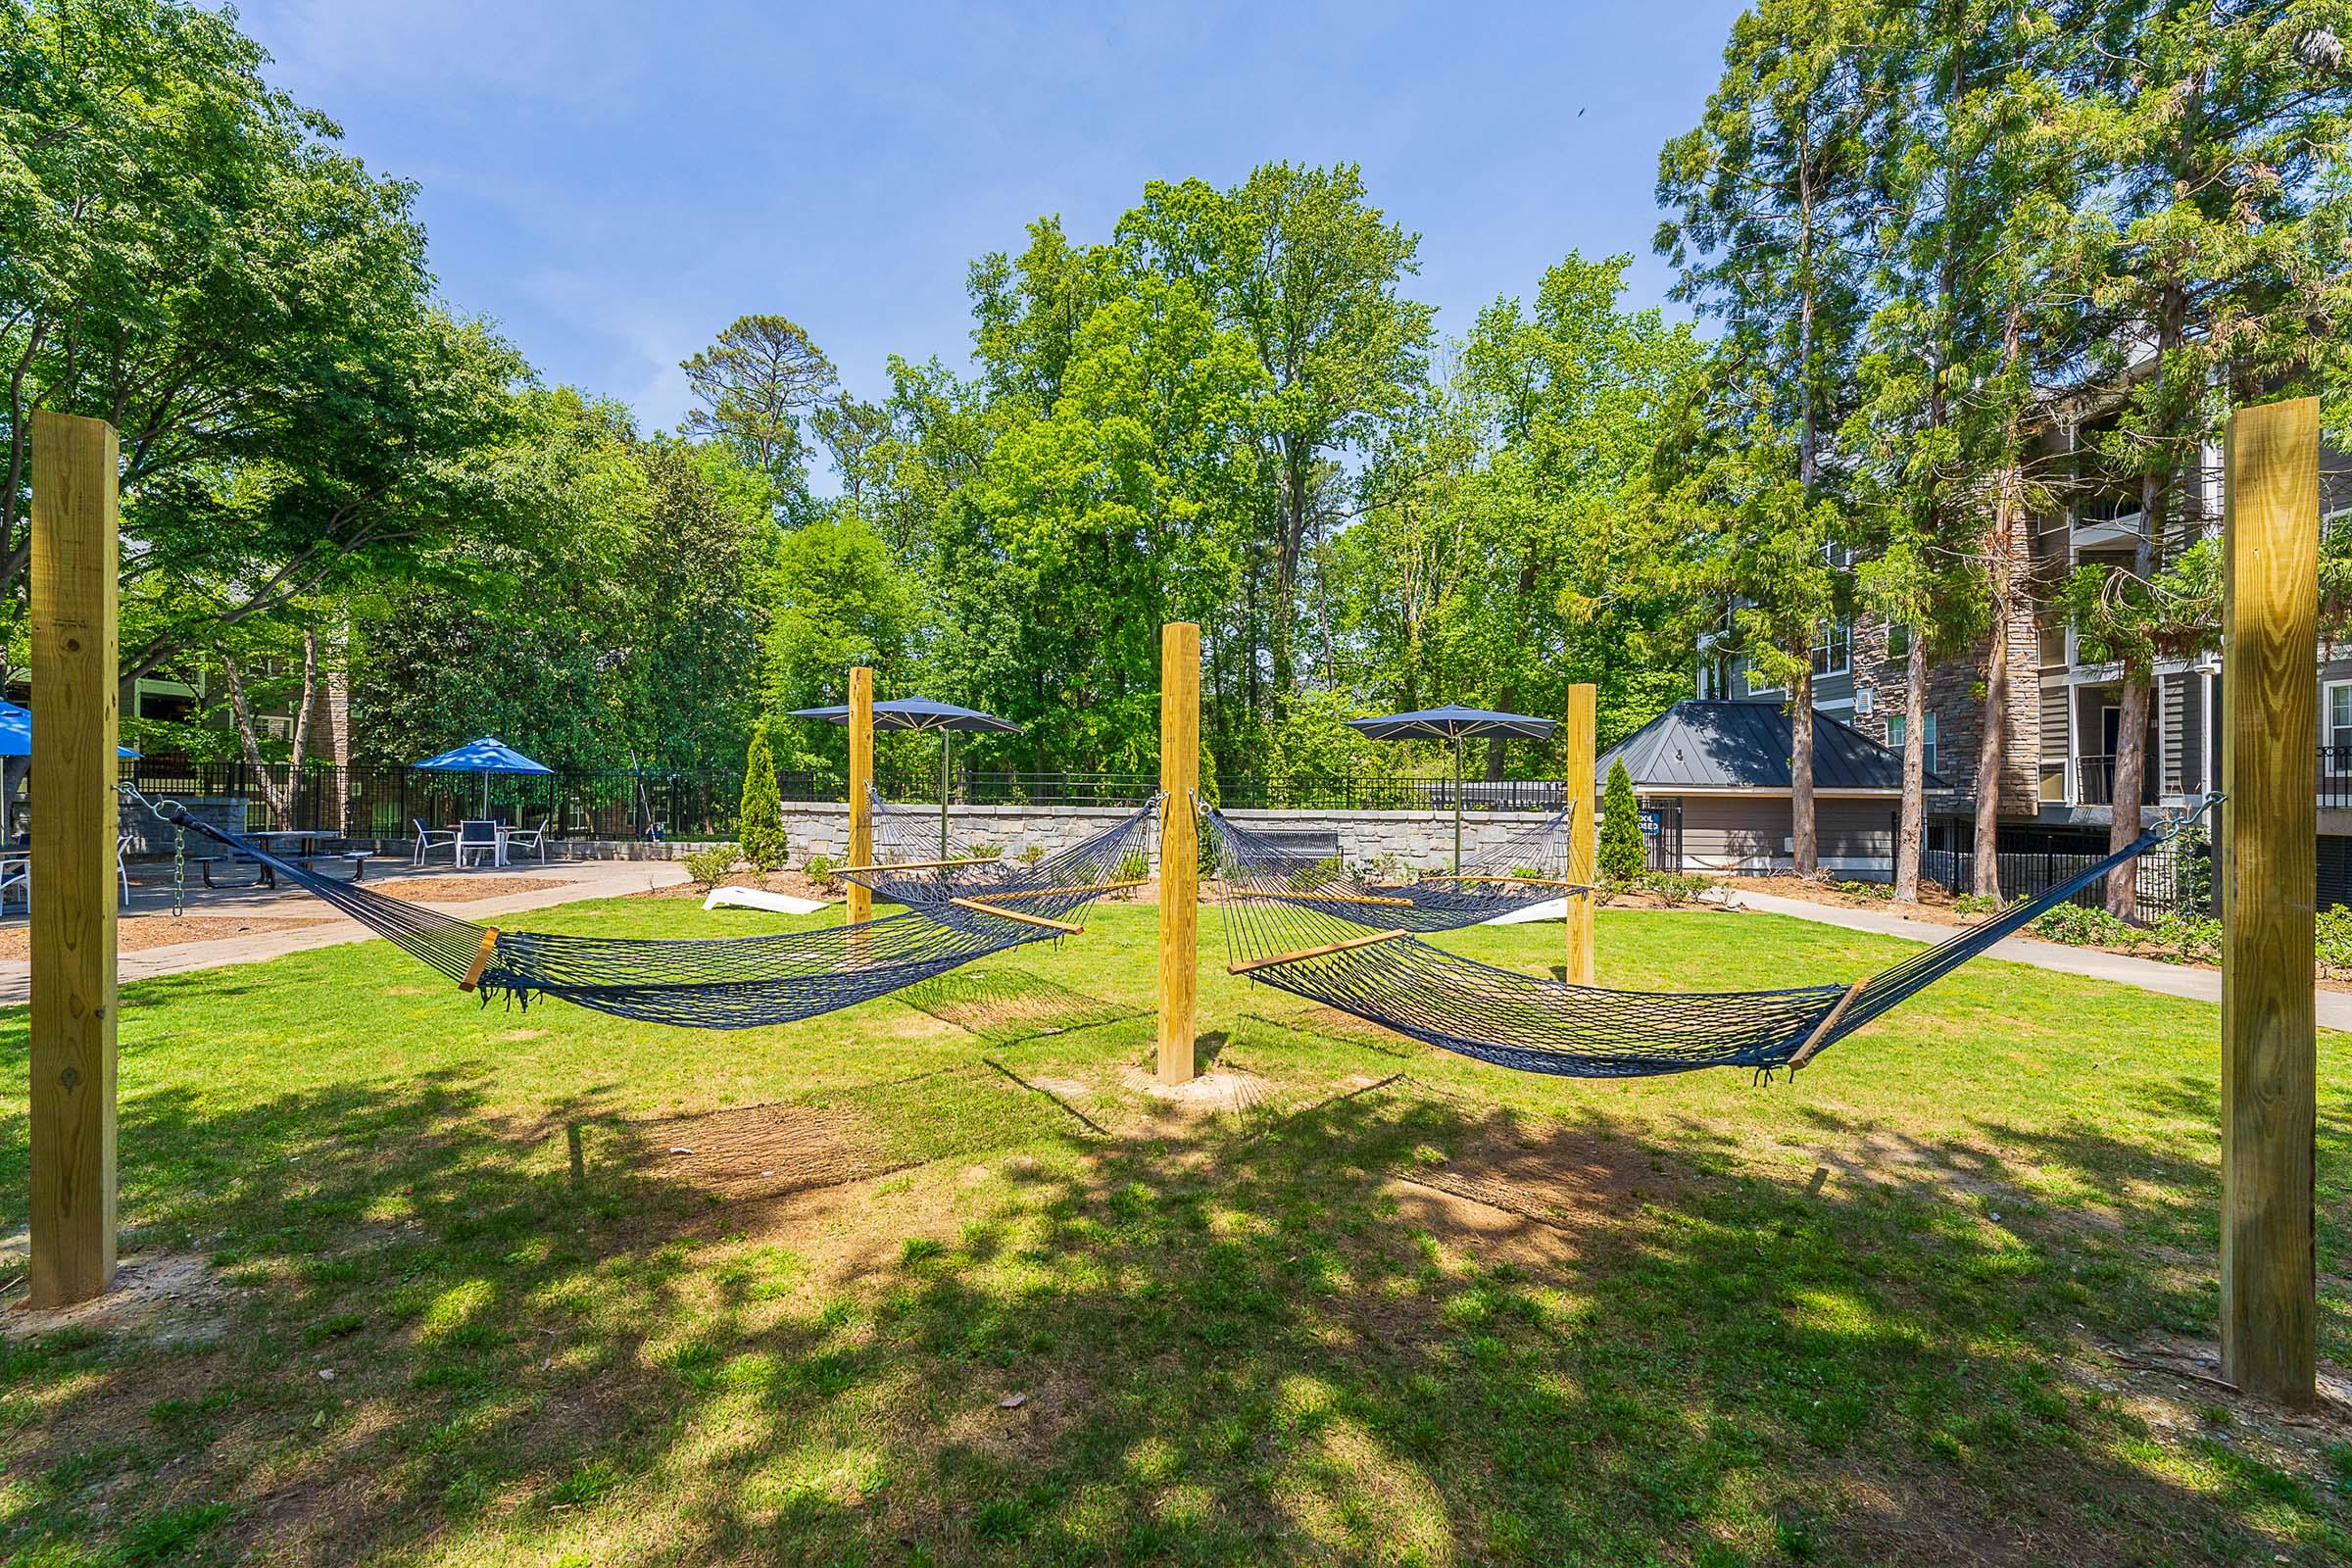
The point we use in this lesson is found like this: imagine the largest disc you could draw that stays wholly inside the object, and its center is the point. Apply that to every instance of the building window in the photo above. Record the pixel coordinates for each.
(1833, 648)
(1926, 737)
(1898, 641)
(2339, 714)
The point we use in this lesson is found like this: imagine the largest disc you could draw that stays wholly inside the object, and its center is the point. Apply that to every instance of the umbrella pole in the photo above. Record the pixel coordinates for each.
(1457, 805)
(946, 739)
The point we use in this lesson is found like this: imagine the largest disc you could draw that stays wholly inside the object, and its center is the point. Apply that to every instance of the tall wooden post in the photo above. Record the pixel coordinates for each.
(862, 785)
(1179, 846)
(75, 565)
(2270, 1048)
(1581, 839)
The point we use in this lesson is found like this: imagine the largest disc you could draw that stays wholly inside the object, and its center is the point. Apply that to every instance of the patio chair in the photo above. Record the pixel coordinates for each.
(478, 837)
(430, 839)
(533, 841)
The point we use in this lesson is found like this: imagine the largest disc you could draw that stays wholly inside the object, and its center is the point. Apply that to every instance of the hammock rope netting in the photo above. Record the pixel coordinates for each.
(1299, 922)
(1320, 950)
(738, 982)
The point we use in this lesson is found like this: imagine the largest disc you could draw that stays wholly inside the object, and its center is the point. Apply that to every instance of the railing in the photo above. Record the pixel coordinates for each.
(2336, 778)
(2029, 860)
(2094, 780)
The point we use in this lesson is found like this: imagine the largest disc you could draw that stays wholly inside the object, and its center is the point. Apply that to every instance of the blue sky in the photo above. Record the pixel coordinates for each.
(615, 184)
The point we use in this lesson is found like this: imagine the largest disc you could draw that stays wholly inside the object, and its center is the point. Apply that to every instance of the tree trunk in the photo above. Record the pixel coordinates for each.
(1803, 830)
(1912, 820)
(281, 799)
(1992, 754)
(2131, 776)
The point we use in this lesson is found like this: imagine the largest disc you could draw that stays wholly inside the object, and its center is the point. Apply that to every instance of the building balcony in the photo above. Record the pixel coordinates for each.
(2094, 780)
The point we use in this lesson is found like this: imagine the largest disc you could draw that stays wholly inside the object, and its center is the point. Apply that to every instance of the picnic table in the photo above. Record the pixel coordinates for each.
(302, 847)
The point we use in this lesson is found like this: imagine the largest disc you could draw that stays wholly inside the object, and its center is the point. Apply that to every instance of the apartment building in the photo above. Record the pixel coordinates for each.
(2061, 718)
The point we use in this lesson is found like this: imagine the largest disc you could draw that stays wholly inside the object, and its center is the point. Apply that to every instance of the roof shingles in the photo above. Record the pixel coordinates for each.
(1702, 745)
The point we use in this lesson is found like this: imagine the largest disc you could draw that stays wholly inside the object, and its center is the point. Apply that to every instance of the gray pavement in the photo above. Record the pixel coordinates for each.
(576, 879)
(2172, 979)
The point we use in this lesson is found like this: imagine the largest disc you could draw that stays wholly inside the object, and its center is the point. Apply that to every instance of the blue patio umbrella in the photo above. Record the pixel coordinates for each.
(1456, 723)
(921, 713)
(485, 756)
(15, 733)
(15, 740)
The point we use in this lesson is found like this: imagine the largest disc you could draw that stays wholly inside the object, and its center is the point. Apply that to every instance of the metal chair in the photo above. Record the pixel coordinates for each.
(478, 837)
(534, 841)
(430, 839)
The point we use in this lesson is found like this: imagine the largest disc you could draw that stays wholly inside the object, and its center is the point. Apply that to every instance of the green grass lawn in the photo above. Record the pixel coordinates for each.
(1403, 1309)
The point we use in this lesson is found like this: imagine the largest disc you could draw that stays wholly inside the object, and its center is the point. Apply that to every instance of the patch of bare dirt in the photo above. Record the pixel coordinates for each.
(163, 1297)
(465, 889)
(756, 1152)
(142, 933)
(798, 884)
(1531, 1192)
(1219, 1089)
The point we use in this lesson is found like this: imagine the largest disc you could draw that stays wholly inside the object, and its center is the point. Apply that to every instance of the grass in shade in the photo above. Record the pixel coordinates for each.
(937, 1280)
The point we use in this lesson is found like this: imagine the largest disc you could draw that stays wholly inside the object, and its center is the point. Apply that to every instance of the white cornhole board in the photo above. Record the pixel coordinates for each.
(758, 899)
(1548, 909)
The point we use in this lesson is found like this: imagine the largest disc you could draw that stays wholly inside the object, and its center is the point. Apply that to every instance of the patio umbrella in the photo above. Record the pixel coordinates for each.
(1456, 723)
(921, 713)
(485, 756)
(15, 740)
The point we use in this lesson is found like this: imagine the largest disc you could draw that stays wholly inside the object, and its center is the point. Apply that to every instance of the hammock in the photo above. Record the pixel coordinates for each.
(732, 982)
(1390, 977)
(1528, 867)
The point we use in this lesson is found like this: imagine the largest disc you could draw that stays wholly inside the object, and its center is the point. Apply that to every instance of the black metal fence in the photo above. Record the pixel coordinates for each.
(2028, 862)
(383, 802)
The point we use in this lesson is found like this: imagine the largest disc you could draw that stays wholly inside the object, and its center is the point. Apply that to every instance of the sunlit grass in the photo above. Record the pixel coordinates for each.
(1463, 1316)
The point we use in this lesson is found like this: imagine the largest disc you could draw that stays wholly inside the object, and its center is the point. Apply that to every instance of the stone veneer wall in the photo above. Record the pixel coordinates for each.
(1416, 839)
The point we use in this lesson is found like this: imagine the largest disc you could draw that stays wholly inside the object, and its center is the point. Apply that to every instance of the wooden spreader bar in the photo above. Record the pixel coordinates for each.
(919, 865)
(1314, 953)
(1820, 1031)
(481, 959)
(1529, 881)
(1014, 914)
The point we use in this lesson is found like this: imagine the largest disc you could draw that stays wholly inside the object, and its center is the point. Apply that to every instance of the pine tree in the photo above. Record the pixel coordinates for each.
(761, 825)
(1622, 854)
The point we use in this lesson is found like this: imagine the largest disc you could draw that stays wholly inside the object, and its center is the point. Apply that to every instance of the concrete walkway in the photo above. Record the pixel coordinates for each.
(2172, 979)
(580, 879)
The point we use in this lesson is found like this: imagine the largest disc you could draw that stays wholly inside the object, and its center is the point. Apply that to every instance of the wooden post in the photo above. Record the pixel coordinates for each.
(75, 565)
(1179, 846)
(2269, 836)
(1583, 841)
(862, 783)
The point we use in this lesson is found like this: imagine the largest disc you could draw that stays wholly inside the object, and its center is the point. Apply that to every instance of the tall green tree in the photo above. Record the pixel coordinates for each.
(756, 387)
(1300, 264)
(1773, 201)
(2218, 136)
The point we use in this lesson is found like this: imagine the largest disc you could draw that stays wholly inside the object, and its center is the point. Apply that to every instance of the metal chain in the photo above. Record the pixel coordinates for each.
(179, 872)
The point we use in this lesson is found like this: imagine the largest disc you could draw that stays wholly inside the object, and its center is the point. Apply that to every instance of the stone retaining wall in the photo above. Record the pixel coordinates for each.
(1420, 840)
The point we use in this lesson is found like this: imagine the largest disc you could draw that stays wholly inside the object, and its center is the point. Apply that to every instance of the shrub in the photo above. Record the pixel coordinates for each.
(982, 851)
(1032, 854)
(760, 821)
(2333, 945)
(1622, 854)
(2189, 939)
(1880, 890)
(820, 871)
(1674, 888)
(2078, 927)
(1976, 904)
(711, 864)
(1133, 867)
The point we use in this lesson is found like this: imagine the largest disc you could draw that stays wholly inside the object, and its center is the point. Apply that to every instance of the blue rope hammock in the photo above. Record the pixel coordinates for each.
(734, 982)
(1386, 975)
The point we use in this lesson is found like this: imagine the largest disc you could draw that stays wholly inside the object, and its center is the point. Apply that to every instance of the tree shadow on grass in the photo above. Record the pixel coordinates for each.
(1314, 1344)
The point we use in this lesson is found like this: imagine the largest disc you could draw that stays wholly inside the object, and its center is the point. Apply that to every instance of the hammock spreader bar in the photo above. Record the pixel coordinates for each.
(732, 982)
